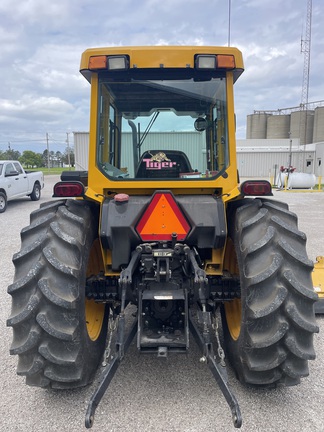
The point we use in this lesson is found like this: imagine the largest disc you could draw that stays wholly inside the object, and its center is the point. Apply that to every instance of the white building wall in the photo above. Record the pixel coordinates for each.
(81, 150)
(185, 141)
(263, 157)
(319, 159)
(265, 164)
(269, 144)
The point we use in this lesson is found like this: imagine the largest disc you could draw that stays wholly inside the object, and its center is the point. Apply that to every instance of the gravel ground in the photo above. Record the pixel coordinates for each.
(151, 394)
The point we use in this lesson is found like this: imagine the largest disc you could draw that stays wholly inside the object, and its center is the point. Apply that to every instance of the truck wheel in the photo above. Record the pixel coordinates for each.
(58, 335)
(36, 194)
(3, 202)
(269, 331)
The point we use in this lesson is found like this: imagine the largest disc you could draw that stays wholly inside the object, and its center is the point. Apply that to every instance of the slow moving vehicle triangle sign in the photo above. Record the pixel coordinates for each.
(162, 218)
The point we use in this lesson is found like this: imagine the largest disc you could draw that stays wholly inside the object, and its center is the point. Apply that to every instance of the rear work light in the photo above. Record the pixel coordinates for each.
(68, 189)
(256, 188)
(116, 62)
(205, 61)
(211, 61)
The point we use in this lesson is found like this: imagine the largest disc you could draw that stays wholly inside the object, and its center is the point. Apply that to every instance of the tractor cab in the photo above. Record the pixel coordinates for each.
(164, 121)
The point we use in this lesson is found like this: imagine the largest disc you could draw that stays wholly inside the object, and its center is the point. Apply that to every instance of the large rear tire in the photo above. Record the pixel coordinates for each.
(269, 331)
(58, 335)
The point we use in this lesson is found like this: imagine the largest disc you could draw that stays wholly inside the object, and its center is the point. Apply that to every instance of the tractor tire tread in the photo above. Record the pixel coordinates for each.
(47, 317)
(278, 320)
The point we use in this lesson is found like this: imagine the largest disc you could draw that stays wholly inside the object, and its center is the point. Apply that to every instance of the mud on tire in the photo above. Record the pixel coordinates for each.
(50, 335)
(273, 340)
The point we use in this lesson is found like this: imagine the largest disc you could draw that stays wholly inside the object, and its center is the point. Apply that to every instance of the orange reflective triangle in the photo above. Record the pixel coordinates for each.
(163, 218)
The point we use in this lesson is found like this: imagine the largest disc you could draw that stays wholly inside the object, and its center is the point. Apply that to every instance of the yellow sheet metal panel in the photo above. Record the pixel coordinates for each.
(318, 284)
(161, 56)
(318, 276)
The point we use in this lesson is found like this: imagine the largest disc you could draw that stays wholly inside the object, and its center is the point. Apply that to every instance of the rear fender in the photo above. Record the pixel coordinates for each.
(318, 283)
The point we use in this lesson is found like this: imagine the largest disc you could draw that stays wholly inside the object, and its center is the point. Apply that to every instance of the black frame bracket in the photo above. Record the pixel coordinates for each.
(219, 371)
(107, 375)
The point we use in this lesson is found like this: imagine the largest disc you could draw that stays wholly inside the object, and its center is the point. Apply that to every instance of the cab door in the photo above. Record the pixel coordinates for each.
(23, 186)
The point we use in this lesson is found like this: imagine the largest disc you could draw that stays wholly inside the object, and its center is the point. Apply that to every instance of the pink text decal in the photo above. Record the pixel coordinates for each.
(154, 165)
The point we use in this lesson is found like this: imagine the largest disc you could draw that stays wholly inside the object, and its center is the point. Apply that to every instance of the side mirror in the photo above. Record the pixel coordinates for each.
(201, 124)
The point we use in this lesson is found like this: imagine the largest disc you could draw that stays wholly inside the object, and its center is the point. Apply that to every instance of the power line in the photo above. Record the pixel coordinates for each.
(23, 141)
(44, 140)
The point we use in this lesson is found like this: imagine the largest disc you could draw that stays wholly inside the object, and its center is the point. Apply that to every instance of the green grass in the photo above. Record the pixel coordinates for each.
(321, 186)
(51, 171)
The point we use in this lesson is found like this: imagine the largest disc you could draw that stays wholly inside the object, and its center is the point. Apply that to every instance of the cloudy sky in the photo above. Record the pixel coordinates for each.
(41, 43)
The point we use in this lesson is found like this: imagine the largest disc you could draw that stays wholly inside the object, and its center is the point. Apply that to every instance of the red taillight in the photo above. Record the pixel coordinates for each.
(256, 188)
(163, 219)
(68, 189)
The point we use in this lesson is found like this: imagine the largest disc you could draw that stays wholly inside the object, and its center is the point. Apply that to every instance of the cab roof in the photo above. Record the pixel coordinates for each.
(161, 57)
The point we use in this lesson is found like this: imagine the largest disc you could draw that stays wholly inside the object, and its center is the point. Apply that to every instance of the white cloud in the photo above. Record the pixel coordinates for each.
(41, 45)
(33, 111)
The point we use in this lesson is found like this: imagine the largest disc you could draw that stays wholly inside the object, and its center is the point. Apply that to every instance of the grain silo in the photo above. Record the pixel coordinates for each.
(278, 126)
(301, 126)
(318, 131)
(258, 126)
(249, 126)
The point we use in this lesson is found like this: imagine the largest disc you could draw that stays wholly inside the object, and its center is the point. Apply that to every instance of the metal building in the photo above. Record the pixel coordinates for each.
(263, 158)
(318, 134)
(186, 141)
(301, 126)
(305, 124)
(255, 157)
(81, 149)
(257, 126)
(278, 126)
(319, 159)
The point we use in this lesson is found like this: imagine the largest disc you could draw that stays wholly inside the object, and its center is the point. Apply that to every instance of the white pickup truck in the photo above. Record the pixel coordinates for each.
(15, 182)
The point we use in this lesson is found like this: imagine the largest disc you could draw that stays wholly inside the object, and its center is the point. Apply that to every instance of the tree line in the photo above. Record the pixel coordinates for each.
(30, 159)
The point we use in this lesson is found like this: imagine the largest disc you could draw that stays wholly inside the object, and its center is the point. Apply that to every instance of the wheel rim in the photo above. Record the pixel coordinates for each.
(94, 312)
(2, 203)
(233, 308)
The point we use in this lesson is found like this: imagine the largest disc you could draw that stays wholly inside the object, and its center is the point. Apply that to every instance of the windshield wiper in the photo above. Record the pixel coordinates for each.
(147, 130)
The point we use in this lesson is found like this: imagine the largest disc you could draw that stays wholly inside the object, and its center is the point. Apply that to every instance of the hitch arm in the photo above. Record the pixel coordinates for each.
(219, 372)
(122, 343)
(106, 376)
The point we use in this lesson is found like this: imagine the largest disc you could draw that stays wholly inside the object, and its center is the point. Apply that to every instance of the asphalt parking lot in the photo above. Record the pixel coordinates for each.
(151, 394)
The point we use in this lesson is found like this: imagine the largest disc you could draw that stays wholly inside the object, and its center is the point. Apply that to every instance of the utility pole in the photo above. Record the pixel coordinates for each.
(48, 155)
(68, 147)
(290, 152)
(9, 151)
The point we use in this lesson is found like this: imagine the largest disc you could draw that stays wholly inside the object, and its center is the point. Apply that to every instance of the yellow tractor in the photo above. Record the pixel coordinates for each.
(160, 225)
(318, 282)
